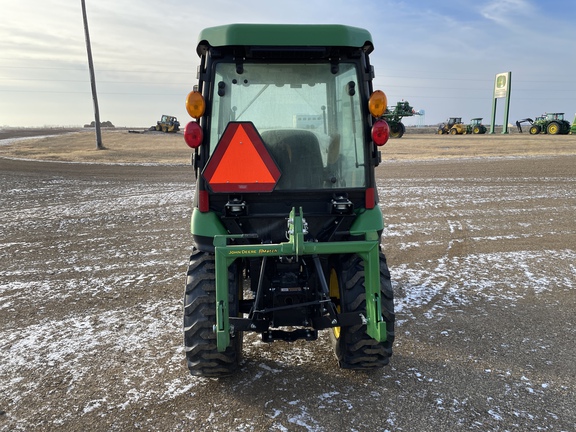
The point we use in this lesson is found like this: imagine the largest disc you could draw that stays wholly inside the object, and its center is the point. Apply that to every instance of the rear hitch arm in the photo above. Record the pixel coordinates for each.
(368, 250)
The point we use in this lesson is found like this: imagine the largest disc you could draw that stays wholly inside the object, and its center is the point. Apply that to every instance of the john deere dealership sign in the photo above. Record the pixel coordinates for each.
(501, 90)
(501, 85)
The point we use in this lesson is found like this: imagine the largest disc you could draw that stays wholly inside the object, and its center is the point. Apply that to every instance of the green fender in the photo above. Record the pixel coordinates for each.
(206, 224)
(369, 222)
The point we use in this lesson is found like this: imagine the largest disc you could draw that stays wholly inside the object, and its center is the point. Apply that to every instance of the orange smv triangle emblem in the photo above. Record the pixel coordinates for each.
(241, 162)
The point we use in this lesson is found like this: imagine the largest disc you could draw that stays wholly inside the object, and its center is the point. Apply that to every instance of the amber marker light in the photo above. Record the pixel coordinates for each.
(378, 103)
(193, 135)
(380, 132)
(195, 104)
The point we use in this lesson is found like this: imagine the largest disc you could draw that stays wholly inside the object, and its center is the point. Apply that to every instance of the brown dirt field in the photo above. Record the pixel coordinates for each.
(121, 147)
(154, 147)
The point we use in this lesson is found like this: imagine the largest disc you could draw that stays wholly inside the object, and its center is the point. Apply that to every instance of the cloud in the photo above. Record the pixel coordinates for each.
(506, 12)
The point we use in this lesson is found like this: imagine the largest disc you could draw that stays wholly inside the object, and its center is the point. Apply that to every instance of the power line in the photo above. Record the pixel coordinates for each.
(379, 76)
(390, 95)
(87, 92)
(170, 71)
(170, 83)
(174, 83)
(560, 79)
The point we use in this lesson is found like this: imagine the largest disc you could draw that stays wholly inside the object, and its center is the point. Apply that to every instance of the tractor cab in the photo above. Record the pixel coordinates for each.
(554, 116)
(300, 110)
(305, 115)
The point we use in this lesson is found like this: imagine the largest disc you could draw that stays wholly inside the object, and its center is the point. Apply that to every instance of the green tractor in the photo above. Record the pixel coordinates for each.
(476, 126)
(286, 224)
(394, 115)
(550, 123)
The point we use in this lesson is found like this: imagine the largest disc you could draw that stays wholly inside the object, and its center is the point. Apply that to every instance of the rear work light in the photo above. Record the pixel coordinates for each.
(195, 104)
(380, 132)
(193, 135)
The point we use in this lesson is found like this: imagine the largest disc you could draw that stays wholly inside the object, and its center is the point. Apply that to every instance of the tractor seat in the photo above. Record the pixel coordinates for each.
(297, 154)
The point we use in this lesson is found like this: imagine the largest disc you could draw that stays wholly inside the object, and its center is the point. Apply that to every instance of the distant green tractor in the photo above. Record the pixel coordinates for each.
(550, 123)
(476, 126)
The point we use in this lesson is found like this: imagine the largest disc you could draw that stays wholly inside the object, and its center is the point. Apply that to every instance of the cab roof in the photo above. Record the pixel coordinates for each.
(284, 35)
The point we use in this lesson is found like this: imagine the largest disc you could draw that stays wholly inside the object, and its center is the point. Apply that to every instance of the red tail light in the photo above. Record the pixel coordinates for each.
(370, 199)
(380, 132)
(203, 201)
(193, 134)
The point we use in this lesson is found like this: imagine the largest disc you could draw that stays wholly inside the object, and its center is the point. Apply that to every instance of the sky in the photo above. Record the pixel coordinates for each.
(440, 56)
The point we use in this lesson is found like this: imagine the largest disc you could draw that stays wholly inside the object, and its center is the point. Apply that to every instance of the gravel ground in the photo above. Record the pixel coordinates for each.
(484, 266)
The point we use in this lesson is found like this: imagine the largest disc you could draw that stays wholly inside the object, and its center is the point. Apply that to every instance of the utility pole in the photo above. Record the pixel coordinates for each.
(99, 145)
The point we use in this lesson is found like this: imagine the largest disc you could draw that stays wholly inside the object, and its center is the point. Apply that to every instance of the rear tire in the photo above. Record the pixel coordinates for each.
(553, 128)
(202, 356)
(353, 348)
